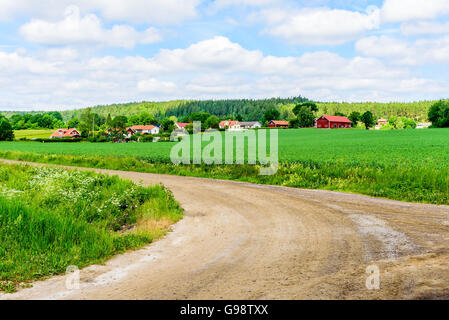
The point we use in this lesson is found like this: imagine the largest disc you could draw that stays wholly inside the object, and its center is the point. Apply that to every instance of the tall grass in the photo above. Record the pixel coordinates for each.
(398, 180)
(52, 218)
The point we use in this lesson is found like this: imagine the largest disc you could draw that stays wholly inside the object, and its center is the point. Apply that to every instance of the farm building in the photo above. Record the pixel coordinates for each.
(278, 124)
(333, 122)
(180, 125)
(144, 129)
(230, 125)
(250, 125)
(66, 133)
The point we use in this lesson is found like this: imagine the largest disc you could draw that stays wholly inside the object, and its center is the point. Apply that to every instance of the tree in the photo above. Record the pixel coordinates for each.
(212, 122)
(120, 122)
(85, 124)
(167, 125)
(368, 119)
(109, 121)
(56, 115)
(272, 114)
(312, 106)
(199, 116)
(239, 118)
(6, 131)
(439, 114)
(355, 117)
(294, 123)
(73, 123)
(306, 117)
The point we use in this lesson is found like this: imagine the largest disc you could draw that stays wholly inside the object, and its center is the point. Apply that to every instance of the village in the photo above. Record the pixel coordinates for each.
(155, 131)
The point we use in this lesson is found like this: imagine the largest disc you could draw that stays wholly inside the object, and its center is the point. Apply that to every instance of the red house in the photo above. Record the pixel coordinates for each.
(66, 133)
(333, 122)
(277, 124)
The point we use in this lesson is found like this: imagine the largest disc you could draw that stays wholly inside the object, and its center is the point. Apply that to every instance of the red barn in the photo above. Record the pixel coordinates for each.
(277, 124)
(333, 122)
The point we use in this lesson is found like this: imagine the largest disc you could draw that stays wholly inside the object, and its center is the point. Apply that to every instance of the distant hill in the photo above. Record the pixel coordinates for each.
(251, 109)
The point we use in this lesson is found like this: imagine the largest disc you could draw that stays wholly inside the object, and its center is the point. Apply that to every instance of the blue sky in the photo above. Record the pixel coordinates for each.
(60, 54)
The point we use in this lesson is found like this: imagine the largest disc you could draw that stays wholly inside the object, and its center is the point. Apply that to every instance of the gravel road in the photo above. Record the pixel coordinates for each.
(247, 241)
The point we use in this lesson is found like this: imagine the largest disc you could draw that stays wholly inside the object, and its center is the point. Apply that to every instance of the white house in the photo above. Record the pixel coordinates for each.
(250, 125)
(230, 125)
(145, 129)
(423, 125)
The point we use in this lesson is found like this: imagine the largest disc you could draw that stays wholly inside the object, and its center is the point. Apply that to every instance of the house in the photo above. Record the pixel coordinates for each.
(382, 122)
(127, 135)
(278, 124)
(144, 130)
(230, 125)
(66, 134)
(250, 125)
(333, 122)
(180, 125)
(423, 125)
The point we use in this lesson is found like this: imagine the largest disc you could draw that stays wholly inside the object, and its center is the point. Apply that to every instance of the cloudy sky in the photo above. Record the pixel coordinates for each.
(60, 54)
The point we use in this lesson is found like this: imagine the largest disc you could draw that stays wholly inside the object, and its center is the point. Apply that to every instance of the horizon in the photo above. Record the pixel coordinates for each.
(75, 54)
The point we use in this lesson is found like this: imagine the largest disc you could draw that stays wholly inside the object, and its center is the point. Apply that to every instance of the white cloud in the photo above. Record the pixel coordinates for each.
(319, 26)
(404, 10)
(420, 52)
(424, 27)
(218, 4)
(214, 68)
(154, 85)
(382, 46)
(218, 53)
(75, 29)
(132, 11)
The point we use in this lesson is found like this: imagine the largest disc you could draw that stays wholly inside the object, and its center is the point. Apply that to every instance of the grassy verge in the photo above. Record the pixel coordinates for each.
(52, 218)
(401, 181)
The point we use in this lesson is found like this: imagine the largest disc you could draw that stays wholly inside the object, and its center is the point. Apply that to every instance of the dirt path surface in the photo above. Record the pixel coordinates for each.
(246, 241)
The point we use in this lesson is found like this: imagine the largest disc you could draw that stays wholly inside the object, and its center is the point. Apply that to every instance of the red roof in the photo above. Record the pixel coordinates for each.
(140, 127)
(337, 119)
(281, 123)
(64, 133)
(117, 129)
(228, 123)
(182, 125)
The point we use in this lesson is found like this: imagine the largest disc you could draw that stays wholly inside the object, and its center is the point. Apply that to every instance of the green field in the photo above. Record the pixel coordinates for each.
(30, 134)
(52, 218)
(407, 165)
(429, 148)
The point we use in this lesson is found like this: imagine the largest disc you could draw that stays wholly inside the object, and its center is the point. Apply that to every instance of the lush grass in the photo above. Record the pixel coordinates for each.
(422, 148)
(30, 134)
(53, 218)
(406, 165)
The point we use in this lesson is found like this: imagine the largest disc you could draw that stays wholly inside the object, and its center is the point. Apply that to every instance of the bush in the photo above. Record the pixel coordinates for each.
(6, 131)
(439, 114)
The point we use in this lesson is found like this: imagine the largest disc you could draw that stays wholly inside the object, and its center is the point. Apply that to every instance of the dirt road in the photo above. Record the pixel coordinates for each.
(245, 241)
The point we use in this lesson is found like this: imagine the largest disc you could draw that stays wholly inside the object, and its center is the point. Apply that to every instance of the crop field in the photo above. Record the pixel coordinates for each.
(428, 148)
(30, 134)
(399, 164)
(53, 218)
